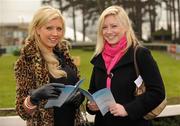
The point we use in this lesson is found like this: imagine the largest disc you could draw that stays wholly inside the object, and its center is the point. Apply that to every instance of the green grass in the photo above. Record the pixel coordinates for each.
(169, 68)
(7, 81)
(85, 67)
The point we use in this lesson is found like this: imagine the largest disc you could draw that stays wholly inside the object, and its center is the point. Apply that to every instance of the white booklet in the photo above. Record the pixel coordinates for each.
(102, 97)
(67, 92)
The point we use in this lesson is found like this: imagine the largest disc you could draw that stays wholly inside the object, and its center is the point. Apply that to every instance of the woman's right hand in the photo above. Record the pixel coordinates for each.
(51, 90)
(118, 110)
(92, 106)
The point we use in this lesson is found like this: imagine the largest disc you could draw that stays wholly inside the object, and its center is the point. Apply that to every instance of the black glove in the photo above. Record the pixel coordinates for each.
(51, 90)
(77, 99)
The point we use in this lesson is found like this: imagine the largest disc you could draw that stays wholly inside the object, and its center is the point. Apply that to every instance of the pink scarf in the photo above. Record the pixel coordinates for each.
(112, 55)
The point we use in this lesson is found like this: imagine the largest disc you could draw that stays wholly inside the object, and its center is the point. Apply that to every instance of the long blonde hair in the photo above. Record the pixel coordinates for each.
(41, 17)
(124, 21)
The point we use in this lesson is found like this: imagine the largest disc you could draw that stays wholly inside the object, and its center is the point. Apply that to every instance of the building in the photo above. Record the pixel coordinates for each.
(15, 16)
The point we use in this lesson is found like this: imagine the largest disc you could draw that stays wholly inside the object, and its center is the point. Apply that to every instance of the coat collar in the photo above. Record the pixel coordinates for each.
(127, 58)
(31, 53)
(30, 50)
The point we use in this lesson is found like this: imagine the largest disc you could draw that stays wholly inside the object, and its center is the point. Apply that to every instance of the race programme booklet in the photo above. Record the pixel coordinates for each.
(67, 92)
(102, 97)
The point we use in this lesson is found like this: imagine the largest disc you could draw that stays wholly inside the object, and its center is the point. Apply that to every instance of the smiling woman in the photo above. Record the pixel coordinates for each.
(44, 61)
(113, 68)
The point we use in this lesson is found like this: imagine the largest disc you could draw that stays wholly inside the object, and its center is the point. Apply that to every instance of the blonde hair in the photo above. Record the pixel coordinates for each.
(124, 21)
(41, 17)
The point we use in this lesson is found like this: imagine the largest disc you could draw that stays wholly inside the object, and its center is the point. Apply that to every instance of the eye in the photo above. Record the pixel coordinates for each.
(114, 26)
(49, 28)
(59, 29)
(104, 27)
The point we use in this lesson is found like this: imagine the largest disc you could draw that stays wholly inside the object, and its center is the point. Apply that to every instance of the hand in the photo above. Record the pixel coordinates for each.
(118, 110)
(77, 99)
(92, 106)
(51, 90)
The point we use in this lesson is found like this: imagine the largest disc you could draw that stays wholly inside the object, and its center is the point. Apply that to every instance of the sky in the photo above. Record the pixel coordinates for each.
(17, 11)
(22, 11)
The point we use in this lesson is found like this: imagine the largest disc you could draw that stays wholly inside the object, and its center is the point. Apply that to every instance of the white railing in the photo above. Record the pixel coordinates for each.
(170, 110)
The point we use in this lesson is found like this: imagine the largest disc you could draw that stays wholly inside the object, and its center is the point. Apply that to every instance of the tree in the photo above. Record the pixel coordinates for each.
(174, 16)
(178, 10)
(140, 11)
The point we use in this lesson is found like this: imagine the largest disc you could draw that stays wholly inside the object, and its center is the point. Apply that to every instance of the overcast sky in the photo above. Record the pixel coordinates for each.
(16, 11)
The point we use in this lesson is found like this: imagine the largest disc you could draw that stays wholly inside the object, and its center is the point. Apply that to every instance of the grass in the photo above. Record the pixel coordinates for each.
(169, 68)
(7, 81)
(85, 67)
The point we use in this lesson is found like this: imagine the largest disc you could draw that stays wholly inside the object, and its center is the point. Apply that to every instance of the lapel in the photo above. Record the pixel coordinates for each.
(32, 52)
(99, 62)
(126, 59)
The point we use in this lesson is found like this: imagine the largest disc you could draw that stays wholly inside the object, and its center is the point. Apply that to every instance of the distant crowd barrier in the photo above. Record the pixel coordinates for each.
(91, 46)
(2, 51)
(83, 44)
(156, 46)
(174, 48)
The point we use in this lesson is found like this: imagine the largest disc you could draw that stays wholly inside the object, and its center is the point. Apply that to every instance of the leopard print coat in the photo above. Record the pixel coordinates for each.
(30, 73)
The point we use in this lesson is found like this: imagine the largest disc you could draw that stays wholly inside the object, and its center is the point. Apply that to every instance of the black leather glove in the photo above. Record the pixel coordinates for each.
(51, 90)
(77, 99)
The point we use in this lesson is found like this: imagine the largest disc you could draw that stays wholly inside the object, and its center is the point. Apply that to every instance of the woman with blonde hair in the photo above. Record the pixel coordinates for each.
(43, 63)
(113, 68)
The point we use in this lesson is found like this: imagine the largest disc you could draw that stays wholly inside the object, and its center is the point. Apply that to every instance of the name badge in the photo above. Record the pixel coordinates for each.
(138, 81)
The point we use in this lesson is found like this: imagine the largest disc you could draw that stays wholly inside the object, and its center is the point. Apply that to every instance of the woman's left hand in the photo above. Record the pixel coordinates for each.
(118, 110)
(92, 106)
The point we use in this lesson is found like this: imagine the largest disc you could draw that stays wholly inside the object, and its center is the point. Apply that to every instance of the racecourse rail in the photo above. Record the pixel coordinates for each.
(170, 110)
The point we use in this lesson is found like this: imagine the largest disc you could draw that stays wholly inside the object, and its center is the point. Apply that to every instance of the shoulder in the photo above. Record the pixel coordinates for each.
(27, 53)
(96, 58)
(144, 56)
(64, 45)
(29, 49)
(143, 51)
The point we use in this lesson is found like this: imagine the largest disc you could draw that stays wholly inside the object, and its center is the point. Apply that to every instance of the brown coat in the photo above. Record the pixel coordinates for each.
(30, 73)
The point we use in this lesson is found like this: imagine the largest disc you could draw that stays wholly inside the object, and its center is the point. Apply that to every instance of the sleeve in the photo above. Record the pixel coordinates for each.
(155, 90)
(23, 76)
